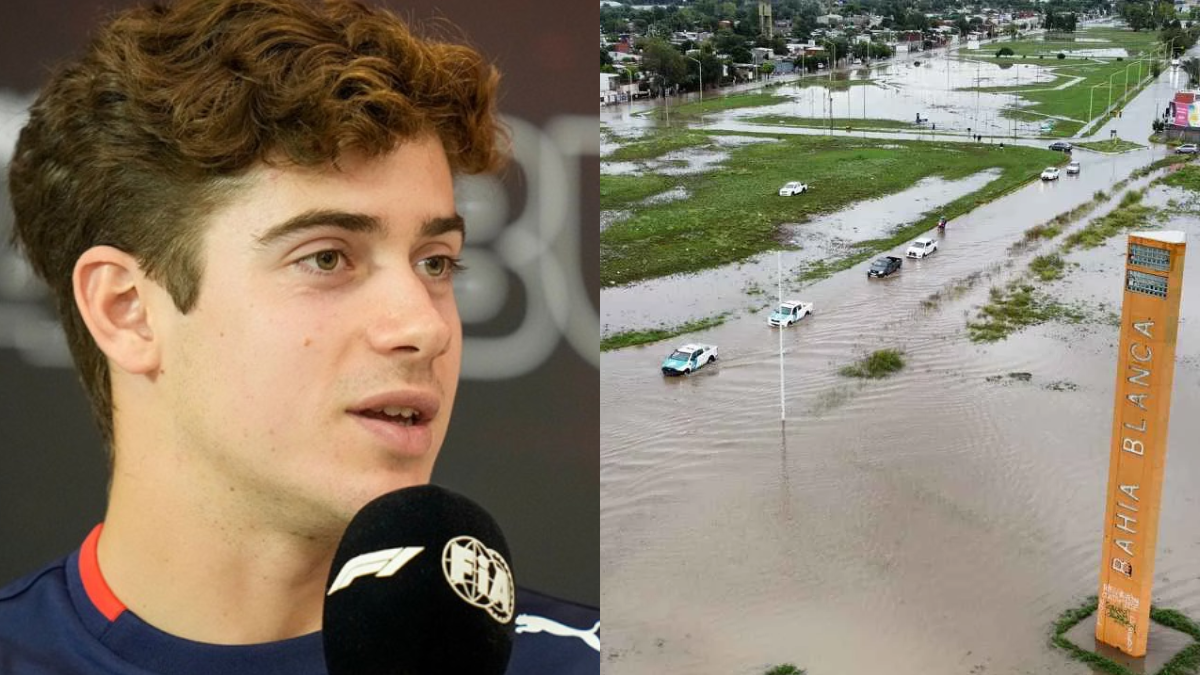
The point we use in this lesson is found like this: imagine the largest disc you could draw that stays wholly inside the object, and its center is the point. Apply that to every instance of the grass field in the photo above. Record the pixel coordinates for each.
(718, 103)
(1092, 94)
(618, 191)
(735, 212)
(659, 142)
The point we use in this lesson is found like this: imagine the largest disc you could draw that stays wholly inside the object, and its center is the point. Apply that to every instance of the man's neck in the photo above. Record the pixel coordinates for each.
(200, 571)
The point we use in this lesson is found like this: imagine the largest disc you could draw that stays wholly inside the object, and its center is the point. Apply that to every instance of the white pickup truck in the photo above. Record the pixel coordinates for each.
(789, 312)
(793, 188)
(688, 358)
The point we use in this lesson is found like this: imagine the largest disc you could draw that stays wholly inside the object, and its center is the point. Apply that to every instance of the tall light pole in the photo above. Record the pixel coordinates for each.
(701, 65)
(1090, 93)
(629, 72)
(1110, 88)
(832, 63)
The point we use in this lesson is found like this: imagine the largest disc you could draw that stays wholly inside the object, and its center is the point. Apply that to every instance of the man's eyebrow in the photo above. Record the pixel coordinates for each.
(353, 222)
(442, 225)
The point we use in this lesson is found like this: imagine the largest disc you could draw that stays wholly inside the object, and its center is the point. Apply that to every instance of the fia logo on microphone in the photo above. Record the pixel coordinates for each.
(480, 576)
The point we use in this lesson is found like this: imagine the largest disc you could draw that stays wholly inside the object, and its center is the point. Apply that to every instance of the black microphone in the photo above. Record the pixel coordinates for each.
(420, 585)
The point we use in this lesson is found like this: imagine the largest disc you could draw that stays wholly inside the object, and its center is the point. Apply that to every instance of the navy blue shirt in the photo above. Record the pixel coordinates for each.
(63, 620)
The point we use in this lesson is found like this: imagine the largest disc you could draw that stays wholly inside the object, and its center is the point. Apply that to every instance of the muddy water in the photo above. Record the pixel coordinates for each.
(942, 517)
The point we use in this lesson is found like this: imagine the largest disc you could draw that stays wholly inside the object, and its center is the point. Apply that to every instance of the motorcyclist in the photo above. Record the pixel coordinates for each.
(942, 223)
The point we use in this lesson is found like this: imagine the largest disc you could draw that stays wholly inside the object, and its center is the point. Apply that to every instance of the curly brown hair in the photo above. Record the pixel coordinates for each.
(135, 143)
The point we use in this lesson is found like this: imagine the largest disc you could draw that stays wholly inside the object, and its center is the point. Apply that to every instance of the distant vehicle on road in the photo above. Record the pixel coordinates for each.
(689, 358)
(1174, 63)
(884, 266)
(789, 312)
(1073, 169)
(1061, 146)
(793, 188)
(1187, 149)
(922, 247)
(1050, 173)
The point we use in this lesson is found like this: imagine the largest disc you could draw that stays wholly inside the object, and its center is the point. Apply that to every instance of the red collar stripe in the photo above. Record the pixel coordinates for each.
(93, 582)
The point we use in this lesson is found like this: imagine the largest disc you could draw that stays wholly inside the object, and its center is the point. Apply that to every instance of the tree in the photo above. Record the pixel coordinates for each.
(1004, 51)
(766, 68)
(605, 57)
(1012, 31)
(1137, 16)
(661, 58)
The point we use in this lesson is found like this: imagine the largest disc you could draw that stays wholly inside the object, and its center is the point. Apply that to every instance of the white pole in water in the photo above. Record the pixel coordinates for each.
(779, 274)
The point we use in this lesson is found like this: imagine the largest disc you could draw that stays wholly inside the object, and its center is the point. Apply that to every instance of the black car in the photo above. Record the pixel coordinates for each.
(1061, 146)
(885, 266)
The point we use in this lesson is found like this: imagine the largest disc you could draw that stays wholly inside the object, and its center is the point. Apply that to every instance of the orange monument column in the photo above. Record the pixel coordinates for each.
(1145, 366)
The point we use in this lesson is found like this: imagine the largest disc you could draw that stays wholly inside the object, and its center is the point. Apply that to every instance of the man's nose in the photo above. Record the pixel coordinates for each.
(409, 316)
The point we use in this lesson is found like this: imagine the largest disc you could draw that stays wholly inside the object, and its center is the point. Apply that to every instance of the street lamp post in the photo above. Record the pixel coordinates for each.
(701, 65)
(1091, 92)
(832, 63)
(1110, 88)
(630, 74)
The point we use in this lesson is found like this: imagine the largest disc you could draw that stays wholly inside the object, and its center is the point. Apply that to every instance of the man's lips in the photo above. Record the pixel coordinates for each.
(404, 407)
(399, 420)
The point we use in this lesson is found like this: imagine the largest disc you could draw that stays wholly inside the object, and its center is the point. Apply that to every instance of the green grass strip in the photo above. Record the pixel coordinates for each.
(839, 123)
(1114, 145)
(641, 337)
(719, 103)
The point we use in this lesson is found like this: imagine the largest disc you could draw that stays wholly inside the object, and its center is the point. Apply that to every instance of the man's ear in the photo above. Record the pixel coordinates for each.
(110, 293)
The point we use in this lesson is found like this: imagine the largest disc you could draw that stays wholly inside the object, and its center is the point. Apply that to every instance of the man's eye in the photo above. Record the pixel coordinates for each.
(441, 266)
(325, 261)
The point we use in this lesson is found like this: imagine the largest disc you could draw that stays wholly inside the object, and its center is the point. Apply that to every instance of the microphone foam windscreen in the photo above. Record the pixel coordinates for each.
(420, 585)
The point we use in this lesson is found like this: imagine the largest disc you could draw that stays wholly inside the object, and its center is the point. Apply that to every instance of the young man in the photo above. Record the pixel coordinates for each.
(245, 211)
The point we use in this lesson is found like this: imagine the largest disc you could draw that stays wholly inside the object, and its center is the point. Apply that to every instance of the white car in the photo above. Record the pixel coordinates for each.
(1073, 169)
(1051, 173)
(788, 313)
(922, 247)
(689, 358)
(1175, 63)
(793, 188)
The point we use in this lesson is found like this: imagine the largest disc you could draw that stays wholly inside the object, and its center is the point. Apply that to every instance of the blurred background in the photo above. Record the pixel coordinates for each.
(524, 440)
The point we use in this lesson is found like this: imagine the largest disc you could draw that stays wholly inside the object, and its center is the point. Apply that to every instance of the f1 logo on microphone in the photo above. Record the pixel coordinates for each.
(382, 564)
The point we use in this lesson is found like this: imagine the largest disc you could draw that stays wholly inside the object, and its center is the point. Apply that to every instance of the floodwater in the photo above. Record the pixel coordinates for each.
(936, 521)
(933, 88)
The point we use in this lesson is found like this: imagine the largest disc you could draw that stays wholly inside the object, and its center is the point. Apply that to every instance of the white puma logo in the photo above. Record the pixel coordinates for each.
(529, 623)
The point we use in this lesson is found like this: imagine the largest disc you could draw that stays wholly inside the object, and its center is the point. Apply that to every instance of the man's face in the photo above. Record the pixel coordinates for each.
(319, 366)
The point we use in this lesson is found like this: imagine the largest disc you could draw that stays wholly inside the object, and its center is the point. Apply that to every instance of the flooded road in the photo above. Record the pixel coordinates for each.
(943, 516)
(936, 521)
